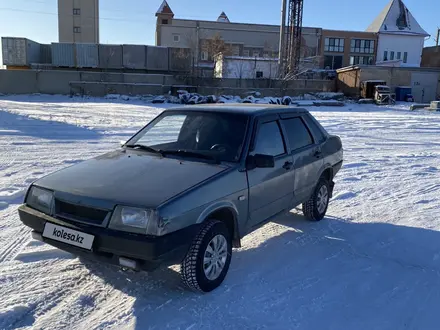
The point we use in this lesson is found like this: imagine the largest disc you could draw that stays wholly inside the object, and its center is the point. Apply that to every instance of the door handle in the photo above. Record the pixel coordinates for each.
(288, 166)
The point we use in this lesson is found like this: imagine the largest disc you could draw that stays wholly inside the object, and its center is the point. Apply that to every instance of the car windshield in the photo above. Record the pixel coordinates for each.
(207, 135)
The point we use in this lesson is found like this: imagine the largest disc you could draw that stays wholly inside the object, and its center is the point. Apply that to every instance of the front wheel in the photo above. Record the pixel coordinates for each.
(316, 207)
(207, 261)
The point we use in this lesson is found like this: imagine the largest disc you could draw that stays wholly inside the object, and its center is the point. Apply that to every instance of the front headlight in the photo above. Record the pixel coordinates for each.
(134, 220)
(40, 199)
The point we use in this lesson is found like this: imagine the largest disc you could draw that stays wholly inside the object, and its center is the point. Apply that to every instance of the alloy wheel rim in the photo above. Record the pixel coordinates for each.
(214, 259)
(322, 199)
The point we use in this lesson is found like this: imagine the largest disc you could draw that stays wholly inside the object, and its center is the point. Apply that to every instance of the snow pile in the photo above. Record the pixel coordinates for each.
(185, 97)
(373, 263)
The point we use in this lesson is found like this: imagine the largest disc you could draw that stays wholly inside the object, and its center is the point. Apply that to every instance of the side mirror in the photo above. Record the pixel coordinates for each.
(260, 161)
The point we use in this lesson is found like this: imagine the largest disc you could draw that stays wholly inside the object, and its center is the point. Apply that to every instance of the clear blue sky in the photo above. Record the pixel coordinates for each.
(133, 21)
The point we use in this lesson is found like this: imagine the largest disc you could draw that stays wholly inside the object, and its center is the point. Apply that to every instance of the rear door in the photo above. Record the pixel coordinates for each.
(270, 189)
(306, 152)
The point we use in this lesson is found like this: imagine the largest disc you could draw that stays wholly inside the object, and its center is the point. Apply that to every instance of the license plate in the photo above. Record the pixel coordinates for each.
(68, 236)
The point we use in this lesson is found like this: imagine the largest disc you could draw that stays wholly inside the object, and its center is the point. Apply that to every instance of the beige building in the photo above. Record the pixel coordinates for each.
(78, 21)
(241, 39)
(344, 48)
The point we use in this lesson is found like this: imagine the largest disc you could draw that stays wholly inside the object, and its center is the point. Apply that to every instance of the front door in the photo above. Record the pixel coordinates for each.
(270, 189)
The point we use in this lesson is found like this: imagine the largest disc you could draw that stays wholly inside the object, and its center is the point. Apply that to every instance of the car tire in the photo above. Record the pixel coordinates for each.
(195, 268)
(316, 207)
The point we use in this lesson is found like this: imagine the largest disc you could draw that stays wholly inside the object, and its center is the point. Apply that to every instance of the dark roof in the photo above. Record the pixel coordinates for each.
(243, 108)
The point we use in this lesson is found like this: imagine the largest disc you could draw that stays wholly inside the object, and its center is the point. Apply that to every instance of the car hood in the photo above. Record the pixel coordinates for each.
(128, 177)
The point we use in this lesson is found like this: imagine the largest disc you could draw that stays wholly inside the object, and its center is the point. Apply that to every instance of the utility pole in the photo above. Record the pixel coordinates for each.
(282, 48)
(438, 37)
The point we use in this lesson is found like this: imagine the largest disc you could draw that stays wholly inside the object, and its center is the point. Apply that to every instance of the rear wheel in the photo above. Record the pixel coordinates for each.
(316, 207)
(207, 261)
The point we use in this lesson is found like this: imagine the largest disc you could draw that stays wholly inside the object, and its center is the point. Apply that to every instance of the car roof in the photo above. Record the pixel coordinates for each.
(241, 108)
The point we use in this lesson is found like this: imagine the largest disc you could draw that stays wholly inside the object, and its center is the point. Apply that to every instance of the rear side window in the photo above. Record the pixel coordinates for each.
(317, 132)
(297, 133)
(269, 140)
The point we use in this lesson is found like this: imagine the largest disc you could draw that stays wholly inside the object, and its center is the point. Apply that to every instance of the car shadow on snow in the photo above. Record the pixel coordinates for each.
(305, 274)
(12, 124)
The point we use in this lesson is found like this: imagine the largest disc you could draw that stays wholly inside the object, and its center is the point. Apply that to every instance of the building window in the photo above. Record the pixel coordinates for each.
(385, 55)
(235, 50)
(399, 55)
(391, 56)
(76, 11)
(246, 52)
(259, 74)
(266, 55)
(362, 46)
(366, 60)
(405, 57)
(334, 45)
(204, 55)
(164, 21)
(76, 29)
(332, 62)
(256, 53)
(176, 38)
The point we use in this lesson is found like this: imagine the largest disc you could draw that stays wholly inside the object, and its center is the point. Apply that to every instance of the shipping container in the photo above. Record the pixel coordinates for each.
(134, 56)
(87, 55)
(45, 54)
(63, 55)
(110, 56)
(157, 58)
(20, 51)
(180, 59)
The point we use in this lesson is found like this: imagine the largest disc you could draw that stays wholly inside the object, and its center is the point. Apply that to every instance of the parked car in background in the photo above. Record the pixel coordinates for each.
(187, 188)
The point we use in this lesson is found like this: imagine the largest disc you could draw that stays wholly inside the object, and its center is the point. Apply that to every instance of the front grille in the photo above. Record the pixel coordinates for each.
(80, 213)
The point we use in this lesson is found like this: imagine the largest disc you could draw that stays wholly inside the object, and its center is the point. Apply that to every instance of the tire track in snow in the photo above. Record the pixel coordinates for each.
(17, 244)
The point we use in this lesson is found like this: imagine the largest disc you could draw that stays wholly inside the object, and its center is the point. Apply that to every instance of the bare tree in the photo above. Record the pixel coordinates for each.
(216, 45)
(193, 44)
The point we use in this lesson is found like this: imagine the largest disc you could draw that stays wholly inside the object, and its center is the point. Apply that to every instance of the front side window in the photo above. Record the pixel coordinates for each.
(297, 133)
(219, 136)
(269, 140)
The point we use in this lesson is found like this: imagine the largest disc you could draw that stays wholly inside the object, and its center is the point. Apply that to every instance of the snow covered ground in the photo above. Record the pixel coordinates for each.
(374, 263)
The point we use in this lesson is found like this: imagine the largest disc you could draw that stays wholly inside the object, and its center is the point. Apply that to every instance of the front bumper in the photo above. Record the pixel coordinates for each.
(109, 245)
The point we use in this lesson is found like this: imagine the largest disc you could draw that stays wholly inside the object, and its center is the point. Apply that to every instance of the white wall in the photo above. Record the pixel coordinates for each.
(401, 43)
(246, 67)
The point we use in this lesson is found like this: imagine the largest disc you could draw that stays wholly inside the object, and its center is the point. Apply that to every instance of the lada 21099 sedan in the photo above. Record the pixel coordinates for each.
(187, 187)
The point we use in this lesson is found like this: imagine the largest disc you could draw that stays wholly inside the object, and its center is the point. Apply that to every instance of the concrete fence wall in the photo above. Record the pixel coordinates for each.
(102, 83)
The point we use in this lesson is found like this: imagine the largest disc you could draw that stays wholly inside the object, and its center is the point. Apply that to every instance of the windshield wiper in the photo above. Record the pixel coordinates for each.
(190, 154)
(146, 148)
